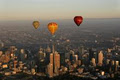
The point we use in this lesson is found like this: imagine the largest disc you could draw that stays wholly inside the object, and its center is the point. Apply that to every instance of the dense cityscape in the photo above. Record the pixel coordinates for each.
(90, 52)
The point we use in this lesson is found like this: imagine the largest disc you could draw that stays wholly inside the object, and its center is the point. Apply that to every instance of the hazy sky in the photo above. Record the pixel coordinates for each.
(58, 9)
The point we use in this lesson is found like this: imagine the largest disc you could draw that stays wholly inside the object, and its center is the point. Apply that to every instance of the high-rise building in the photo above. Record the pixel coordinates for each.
(62, 58)
(93, 62)
(76, 57)
(50, 70)
(72, 53)
(15, 65)
(48, 49)
(113, 62)
(47, 57)
(23, 55)
(1, 53)
(21, 64)
(117, 63)
(51, 58)
(91, 54)
(41, 56)
(81, 51)
(116, 66)
(100, 58)
(54, 63)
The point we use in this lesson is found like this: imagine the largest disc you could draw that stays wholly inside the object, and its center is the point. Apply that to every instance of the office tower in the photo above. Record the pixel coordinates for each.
(91, 54)
(72, 53)
(11, 65)
(109, 50)
(116, 66)
(50, 67)
(62, 58)
(22, 51)
(21, 64)
(47, 58)
(113, 62)
(1, 53)
(50, 70)
(76, 57)
(79, 62)
(23, 55)
(51, 58)
(100, 58)
(54, 62)
(67, 56)
(0, 65)
(48, 50)
(71, 57)
(81, 51)
(41, 56)
(102, 73)
(15, 65)
(117, 63)
(93, 62)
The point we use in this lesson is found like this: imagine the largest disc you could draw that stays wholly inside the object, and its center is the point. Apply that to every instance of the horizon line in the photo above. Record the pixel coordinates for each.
(53, 19)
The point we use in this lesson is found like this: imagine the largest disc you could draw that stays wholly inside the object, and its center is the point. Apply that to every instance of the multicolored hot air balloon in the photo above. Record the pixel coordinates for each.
(52, 27)
(36, 24)
(78, 20)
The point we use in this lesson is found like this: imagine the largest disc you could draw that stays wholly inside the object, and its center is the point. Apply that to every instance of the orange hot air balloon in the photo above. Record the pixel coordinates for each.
(78, 20)
(36, 24)
(52, 27)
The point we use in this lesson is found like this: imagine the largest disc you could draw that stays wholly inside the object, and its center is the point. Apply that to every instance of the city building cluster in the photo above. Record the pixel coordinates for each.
(81, 62)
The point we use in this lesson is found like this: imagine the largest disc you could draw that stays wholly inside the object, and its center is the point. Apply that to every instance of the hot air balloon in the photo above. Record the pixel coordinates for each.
(36, 24)
(78, 20)
(52, 27)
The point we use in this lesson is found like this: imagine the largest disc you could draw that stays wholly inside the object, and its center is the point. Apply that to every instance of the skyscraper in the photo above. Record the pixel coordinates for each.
(54, 63)
(41, 56)
(15, 65)
(48, 49)
(91, 54)
(93, 62)
(50, 70)
(100, 58)
(81, 51)
(51, 58)
(76, 57)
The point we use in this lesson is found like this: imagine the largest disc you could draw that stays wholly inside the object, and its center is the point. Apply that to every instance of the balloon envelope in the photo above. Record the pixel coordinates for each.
(78, 20)
(36, 24)
(52, 27)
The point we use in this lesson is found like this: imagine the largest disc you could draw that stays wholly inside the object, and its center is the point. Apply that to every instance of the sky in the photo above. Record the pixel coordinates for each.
(58, 9)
